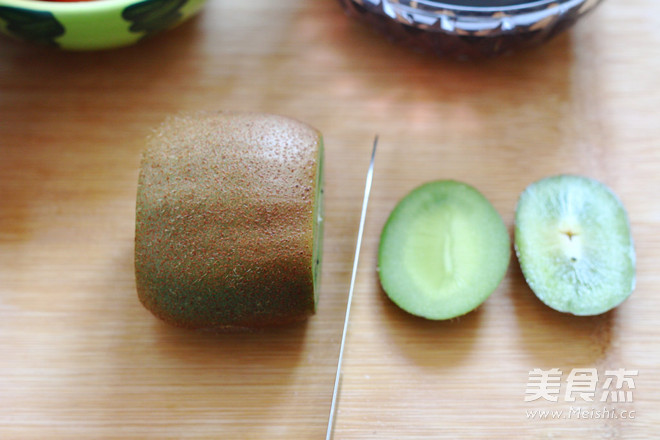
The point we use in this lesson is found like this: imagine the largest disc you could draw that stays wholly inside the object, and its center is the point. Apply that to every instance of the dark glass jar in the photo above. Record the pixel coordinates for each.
(469, 29)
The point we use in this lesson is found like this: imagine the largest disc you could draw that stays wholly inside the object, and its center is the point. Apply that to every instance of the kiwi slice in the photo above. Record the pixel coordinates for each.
(443, 250)
(574, 244)
(229, 220)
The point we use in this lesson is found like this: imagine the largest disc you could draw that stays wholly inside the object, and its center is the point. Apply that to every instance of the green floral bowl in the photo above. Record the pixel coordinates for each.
(92, 25)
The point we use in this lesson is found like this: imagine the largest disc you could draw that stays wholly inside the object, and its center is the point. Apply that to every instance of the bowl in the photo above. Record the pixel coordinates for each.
(469, 28)
(92, 24)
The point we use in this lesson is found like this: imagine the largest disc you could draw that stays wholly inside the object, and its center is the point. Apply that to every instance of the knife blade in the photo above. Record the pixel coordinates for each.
(356, 259)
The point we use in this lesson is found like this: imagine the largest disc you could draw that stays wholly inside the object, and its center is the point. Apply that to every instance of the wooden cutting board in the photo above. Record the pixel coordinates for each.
(80, 358)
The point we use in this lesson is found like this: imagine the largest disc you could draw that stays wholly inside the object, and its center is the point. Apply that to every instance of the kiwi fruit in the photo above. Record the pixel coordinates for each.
(229, 220)
(443, 250)
(574, 244)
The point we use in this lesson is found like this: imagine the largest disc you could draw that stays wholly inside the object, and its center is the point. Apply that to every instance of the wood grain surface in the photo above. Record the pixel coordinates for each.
(80, 358)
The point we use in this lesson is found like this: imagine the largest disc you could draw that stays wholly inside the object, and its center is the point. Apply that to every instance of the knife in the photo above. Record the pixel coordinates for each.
(356, 259)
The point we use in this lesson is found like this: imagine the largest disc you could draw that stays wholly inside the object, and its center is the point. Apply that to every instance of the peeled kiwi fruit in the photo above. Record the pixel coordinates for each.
(229, 220)
(443, 250)
(574, 244)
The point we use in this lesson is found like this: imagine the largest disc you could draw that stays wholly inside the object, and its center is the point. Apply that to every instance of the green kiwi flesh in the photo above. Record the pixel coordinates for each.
(229, 221)
(443, 250)
(574, 244)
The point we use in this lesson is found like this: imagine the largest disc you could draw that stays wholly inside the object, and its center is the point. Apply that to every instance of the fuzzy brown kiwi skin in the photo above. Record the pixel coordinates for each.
(225, 219)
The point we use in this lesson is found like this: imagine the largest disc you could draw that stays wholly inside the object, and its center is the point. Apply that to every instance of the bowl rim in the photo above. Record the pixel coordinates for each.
(72, 7)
